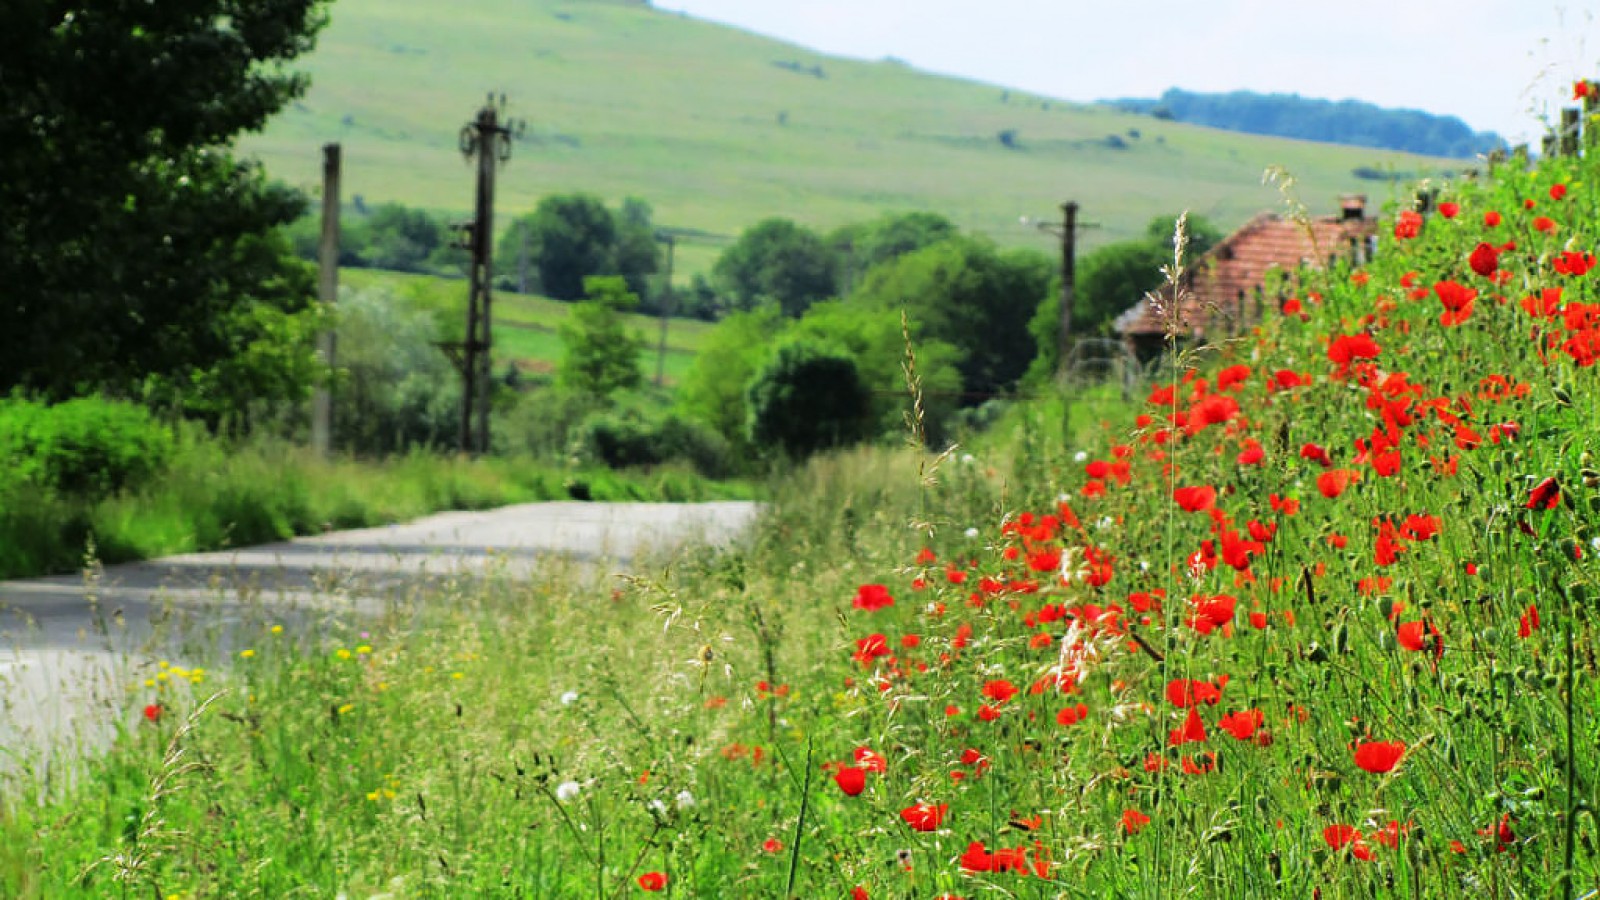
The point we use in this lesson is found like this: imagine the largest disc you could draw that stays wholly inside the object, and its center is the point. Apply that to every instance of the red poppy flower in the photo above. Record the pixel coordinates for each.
(1484, 259)
(1134, 821)
(1491, 219)
(1195, 499)
(1407, 225)
(1545, 495)
(1557, 191)
(1449, 209)
(1347, 347)
(872, 597)
(771, 845)
(1544, 224)
(1333, 483)
(1573, 264)
(653, 881)
(1581, 89)
(1192, 731)
(1341, 836)
(1072, 715)
(1457, 301)
(1211, 613)
(1316, 454)
(999, 691)
(871, 647)
(871, 761)
(1184, 692)
(153, 712)
(1379, 756)
(851, 779)
(1243, 724)
(1420, 636)
(925, 817)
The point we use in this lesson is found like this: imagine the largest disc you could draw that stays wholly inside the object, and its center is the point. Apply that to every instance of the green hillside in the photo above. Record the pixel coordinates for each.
(718, 128)
(527, 328)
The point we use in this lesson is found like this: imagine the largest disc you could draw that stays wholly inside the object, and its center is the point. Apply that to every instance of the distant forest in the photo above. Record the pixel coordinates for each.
(1350, 122)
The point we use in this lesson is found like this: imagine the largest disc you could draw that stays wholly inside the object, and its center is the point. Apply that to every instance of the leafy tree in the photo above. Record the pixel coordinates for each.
(1201, 235)
(401, 238)
(572, 237)
(131, 238)
(972, 296)
(601, 356)
(863, 245)
(637, 253)
(874, 339)
(808, 397)
(396, 391)
(777, 260)
(713, 391)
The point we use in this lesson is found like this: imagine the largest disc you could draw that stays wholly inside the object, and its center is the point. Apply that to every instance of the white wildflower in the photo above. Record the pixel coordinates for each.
(1080, 456)
(685, 800)
(567, 790)
(569, 698)
(971, 533)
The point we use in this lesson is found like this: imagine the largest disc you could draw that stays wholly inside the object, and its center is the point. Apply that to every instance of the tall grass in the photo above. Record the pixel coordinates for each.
(216, 496)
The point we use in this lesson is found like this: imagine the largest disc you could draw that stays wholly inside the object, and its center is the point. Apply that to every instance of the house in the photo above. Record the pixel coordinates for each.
(1225, 290)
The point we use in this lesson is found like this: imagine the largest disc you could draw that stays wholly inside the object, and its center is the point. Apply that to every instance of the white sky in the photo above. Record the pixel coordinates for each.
(1494, 63)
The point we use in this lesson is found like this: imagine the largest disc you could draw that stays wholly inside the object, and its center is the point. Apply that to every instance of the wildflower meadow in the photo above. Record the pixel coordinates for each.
(1316, 617)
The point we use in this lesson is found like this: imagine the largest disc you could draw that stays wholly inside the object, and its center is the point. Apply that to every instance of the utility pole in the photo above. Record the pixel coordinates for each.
(328, 294)
(488, 142)
(1067, 231)
(666, 309)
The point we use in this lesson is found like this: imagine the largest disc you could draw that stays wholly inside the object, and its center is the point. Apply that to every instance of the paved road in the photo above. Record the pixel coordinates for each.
(70, 646)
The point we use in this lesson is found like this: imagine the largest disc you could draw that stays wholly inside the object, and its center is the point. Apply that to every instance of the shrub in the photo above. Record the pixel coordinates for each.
(90, 445)
(635, 436)
(808, 398)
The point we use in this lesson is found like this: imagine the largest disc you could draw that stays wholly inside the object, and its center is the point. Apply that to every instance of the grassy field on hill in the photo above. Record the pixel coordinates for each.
(527, 327)
(719, 128)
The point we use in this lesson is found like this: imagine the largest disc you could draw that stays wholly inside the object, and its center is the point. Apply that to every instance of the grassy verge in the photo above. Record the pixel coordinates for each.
(213, 497)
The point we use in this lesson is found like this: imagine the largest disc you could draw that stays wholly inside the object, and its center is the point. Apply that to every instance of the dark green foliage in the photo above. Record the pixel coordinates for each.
(1308, 118)
(777, 261)
(638, 253)
(571, 237)
(966, 293)
(401, 239)
(601, 356)
(90, 445)
(638, 434)
(714, 390)
(1111, 279)
(396, 391)
(863, 245)
(808, 398)
(131, 237)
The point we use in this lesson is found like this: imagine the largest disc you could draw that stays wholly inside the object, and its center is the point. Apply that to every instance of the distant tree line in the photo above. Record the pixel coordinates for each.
(1351, 122)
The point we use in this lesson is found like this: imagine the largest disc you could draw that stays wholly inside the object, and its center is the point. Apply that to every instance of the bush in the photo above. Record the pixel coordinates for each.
(90, 445)
(635, 436)
(808, 398)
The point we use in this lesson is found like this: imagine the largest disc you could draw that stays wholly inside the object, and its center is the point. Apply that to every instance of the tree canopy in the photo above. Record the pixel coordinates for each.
(972, 296)
(777, 260)
(133, 245)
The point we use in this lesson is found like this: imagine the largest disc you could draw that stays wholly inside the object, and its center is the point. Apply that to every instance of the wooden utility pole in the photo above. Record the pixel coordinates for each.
(328, 294)
(666, 309)
(487, 141)
(1069, 290)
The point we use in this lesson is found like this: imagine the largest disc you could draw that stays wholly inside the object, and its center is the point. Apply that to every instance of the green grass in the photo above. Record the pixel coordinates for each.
(1148, 672)
(215, 496)
(621, 99)
(527, 327)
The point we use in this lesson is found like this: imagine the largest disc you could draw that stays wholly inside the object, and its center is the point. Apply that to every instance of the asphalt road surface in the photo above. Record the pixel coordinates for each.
(70, 646)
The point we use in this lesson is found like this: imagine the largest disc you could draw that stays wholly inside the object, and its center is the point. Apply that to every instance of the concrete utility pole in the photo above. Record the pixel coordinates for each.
(328, 294)
(666, 309)
(488, 142)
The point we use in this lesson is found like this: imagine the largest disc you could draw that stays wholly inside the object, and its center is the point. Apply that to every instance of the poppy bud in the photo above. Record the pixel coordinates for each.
(1341, 639)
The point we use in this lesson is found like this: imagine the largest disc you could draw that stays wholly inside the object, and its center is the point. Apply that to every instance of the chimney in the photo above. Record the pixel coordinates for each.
(1353, 207)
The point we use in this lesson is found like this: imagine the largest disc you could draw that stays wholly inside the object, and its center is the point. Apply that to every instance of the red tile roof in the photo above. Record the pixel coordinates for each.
(1236, 267)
